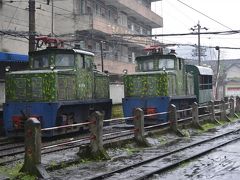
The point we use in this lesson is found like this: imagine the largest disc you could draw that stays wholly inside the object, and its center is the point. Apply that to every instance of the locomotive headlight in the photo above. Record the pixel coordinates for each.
(7, 69)
(164, 68)
(125, 71)
(52, 67)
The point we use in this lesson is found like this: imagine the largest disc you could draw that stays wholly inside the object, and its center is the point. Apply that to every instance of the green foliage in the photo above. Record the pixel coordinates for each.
(13, 173)
(185, 133)
(162, 140)
(208, 126)
(142, 85)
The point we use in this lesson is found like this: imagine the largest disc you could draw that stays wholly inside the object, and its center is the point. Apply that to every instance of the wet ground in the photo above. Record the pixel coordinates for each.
(220, 164)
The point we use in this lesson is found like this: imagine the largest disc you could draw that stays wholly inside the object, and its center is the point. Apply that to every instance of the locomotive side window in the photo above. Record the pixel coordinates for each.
(64, 60)
(88, 61)
(40, 62)
(180, 64)
(79, 61)
(205, 82)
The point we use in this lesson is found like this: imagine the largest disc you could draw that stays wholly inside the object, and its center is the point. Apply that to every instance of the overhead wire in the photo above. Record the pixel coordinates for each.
(205, 15)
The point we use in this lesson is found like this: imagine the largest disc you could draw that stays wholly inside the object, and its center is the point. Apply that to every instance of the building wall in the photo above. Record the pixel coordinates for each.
(85, 22)
(116, 93)
(232, 81)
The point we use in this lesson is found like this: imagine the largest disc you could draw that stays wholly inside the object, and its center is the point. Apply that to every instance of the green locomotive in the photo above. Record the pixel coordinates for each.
(61, 87)
(161, 80)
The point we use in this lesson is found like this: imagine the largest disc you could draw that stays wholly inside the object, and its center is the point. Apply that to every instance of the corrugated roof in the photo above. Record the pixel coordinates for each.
(13, 57)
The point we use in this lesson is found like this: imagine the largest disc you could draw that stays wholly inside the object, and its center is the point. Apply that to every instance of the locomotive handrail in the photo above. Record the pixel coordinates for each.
(66, 126)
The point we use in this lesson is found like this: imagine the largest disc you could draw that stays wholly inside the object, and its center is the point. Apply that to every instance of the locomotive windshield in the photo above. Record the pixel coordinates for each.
(153, 65)
(40, 62)
(61, 60)
(166, 63)
(64, 60)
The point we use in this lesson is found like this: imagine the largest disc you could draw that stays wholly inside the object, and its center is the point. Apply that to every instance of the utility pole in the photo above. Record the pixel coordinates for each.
(218, 71)
(31, 45)
(48, 2)
(101, 48)
(52, 21)
(198, 28)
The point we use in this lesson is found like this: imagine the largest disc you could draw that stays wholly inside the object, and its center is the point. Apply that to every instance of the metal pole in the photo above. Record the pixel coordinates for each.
(218, 71)
(101, 55)
(31, 45)
(199, 45)
(52, 20)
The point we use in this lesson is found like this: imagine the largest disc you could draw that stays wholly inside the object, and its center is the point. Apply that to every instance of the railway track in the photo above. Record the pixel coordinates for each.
(172, 159)
(13, 151)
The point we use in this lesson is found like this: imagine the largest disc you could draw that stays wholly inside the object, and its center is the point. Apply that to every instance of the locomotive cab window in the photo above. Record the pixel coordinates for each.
(205, 82)
(41, 61)
(84, 61)
(64, 60)
(146, 66)
(166, 64)
(87, 62)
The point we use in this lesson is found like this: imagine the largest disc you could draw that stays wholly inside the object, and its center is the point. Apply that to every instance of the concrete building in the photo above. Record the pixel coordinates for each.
(95, 25)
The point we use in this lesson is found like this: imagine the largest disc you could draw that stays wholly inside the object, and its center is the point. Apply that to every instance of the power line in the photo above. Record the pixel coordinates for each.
(205, 15)
(181, 34)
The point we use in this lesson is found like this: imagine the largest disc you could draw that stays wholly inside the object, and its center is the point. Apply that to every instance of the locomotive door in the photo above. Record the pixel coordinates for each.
(84, 76)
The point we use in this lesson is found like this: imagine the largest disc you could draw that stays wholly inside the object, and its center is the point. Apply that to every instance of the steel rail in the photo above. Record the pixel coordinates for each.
(109, 174)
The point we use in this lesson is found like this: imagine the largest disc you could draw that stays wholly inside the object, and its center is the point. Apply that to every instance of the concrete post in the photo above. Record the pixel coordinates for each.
(139, 127)
(223, 115)
(226, 99)
(232, 107)
(96, 142)
(195, 115)
(172, 118)
(32, 161)
(211, 111)
(237, 109)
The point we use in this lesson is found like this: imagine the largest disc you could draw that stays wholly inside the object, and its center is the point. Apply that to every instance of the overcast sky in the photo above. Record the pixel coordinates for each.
(178, 18)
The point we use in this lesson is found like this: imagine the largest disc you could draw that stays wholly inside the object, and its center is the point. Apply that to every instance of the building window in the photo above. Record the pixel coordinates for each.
(97, 9)
(82, 6)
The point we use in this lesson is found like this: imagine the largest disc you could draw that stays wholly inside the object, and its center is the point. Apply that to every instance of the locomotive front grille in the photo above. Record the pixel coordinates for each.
(66, 88)
(21, 88)
(37, 87)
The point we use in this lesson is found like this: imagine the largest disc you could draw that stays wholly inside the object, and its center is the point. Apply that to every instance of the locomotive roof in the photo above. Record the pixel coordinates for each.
(202, 70)
(145, 57)
(74, 51)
